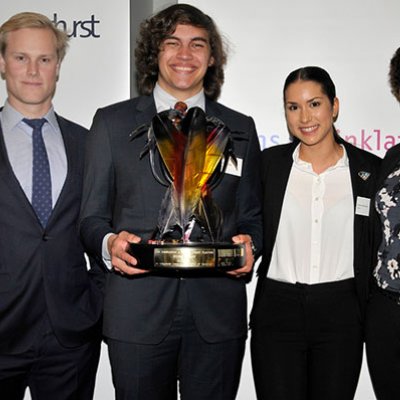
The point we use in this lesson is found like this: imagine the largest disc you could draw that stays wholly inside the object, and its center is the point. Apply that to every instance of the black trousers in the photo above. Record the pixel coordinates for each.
(383, 343)
(306, 341)
(51, 371)
(205, 371)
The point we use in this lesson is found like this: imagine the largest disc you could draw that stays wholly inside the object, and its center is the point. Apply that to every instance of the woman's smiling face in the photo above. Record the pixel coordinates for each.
(309, 112)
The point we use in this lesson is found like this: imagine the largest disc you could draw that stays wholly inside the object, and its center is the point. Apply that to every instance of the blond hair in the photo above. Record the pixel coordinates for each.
(33, 20)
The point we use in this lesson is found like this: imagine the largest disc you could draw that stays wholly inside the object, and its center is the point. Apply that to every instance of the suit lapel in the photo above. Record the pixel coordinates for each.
(72, 153)
(9, 178)
(145, 110)
(212, 108)
(361, 186)
(275, 176)
(277, 180)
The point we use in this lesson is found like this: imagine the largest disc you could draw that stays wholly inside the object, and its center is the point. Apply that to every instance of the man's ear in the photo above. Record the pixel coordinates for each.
(58, 70)
(2, 67)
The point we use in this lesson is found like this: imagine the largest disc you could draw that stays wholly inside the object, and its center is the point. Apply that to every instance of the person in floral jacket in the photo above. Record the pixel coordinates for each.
(383, 313)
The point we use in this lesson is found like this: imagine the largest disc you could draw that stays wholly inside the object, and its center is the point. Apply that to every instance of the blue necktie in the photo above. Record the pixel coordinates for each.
(41, 180)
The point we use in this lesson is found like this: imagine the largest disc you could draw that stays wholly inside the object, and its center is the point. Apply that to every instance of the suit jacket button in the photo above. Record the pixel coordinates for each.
(45, 237)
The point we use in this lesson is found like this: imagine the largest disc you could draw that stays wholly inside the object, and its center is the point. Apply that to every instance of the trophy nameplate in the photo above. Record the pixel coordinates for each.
(187, 256)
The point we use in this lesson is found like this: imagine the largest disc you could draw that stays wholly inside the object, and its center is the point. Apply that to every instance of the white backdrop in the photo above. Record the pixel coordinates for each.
(353, 40)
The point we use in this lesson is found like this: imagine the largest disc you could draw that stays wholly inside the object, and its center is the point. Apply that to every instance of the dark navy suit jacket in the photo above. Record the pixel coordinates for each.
(120, 193)
(43, 271)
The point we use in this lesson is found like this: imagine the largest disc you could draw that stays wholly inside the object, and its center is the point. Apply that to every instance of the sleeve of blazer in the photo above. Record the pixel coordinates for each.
(249, 193)
(98, 187)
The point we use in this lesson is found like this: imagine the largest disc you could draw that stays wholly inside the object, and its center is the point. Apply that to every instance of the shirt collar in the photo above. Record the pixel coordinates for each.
(165, 101)
(10, 117)
(343, 162)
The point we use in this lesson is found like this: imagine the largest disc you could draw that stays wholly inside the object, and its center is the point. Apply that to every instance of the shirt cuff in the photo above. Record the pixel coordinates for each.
(104, 252)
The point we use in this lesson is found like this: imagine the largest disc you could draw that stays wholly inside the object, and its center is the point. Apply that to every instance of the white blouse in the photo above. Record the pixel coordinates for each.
(314, 242)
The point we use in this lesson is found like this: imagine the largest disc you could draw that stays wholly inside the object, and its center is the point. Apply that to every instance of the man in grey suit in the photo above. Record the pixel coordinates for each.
(49, 304)
(167, 327)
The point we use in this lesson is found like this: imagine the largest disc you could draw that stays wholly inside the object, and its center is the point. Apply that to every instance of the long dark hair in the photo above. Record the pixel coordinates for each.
(155, 29)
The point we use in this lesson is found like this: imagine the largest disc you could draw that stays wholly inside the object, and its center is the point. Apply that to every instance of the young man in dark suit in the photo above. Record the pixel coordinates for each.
(170, 326)
(49, 304)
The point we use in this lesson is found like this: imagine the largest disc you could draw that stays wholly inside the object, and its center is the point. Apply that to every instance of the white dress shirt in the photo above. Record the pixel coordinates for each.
(314, 242)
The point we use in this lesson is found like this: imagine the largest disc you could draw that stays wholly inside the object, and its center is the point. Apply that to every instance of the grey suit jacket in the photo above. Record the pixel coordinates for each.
(120, 193)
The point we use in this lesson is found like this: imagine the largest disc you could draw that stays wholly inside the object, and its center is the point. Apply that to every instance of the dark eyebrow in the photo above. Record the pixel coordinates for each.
(196, 38)
(314, 98)
(200, 38)
(308, 101)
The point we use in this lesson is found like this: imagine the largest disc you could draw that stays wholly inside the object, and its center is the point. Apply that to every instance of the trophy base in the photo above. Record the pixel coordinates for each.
(189, 256)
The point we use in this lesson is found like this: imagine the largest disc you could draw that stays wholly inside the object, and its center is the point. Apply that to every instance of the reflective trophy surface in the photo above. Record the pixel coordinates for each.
(192, 152)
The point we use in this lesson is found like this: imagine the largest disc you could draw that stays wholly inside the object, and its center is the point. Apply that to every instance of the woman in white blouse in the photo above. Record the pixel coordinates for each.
(312, 289)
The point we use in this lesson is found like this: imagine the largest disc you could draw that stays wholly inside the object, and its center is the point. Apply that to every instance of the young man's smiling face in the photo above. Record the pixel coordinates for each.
(183, 61)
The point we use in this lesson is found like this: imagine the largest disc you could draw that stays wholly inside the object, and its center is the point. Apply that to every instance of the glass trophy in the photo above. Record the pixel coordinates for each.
(189, 153)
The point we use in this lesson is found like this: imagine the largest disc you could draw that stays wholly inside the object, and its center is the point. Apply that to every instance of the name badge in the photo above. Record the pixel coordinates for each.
(233, 169)
(362, 206)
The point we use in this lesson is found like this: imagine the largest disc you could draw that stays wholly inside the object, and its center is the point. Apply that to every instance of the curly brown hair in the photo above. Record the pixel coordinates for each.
(156, 28)
(394, 75)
